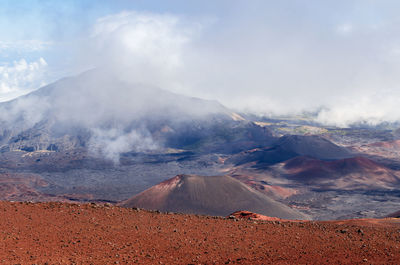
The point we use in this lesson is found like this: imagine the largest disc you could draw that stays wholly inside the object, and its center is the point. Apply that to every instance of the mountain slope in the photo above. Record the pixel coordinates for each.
(214, 195)
(290, 146)
(349, 173)
(71, 112)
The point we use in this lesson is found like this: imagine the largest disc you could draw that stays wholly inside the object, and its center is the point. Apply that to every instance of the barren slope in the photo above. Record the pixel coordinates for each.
(290, 146)
(212, 195)
(349, 173)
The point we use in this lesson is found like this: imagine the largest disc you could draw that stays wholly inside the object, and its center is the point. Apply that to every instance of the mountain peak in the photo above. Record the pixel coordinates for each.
(212, 195)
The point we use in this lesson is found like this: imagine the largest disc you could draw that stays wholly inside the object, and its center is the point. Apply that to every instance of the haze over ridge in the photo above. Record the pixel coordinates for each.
(339, 59)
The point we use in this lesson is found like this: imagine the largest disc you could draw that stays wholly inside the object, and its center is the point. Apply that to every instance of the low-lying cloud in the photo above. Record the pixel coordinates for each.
(110, 143)
(269, 58)
(339, 59)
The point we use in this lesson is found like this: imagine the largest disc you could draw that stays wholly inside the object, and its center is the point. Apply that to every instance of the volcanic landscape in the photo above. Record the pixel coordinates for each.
(188, 181)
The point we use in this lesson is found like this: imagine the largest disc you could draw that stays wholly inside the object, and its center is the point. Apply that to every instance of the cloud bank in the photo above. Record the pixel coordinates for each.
(269, 58)
(340, 59)
(142, 47)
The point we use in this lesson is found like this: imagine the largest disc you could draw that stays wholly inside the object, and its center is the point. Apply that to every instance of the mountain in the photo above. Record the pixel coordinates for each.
(290, 146)
(349, 173)
(212, 195)
(101, 137)
(98, 110)
(97, 137)
(312, 146)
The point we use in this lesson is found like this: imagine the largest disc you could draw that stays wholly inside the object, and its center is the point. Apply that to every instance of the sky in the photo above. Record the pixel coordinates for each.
(337, 59)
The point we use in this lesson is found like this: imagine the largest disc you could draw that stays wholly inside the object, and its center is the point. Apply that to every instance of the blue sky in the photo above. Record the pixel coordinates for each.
(270, 57)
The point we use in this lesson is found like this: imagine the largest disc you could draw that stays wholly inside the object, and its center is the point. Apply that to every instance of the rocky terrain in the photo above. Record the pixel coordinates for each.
(298, 171)
(186, 155)
(110, 148)
(61, 233)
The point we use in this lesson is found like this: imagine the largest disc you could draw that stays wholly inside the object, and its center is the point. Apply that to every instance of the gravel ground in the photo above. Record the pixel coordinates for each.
(62, 233)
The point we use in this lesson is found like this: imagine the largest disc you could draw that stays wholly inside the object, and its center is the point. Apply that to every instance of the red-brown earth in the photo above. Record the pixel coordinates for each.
(61, 233)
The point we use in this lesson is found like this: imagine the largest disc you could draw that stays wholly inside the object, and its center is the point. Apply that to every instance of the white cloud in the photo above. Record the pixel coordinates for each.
(266, 63)
(21, 77)
(372, 109)
(22, 46)
(112, 142)
(29, 110)
(143, 47)
(265, 56)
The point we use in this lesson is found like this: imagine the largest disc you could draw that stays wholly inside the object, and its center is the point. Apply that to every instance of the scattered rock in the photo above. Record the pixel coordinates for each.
(102, 235)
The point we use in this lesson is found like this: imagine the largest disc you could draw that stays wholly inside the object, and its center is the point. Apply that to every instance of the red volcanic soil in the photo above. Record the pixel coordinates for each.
(60, 233)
